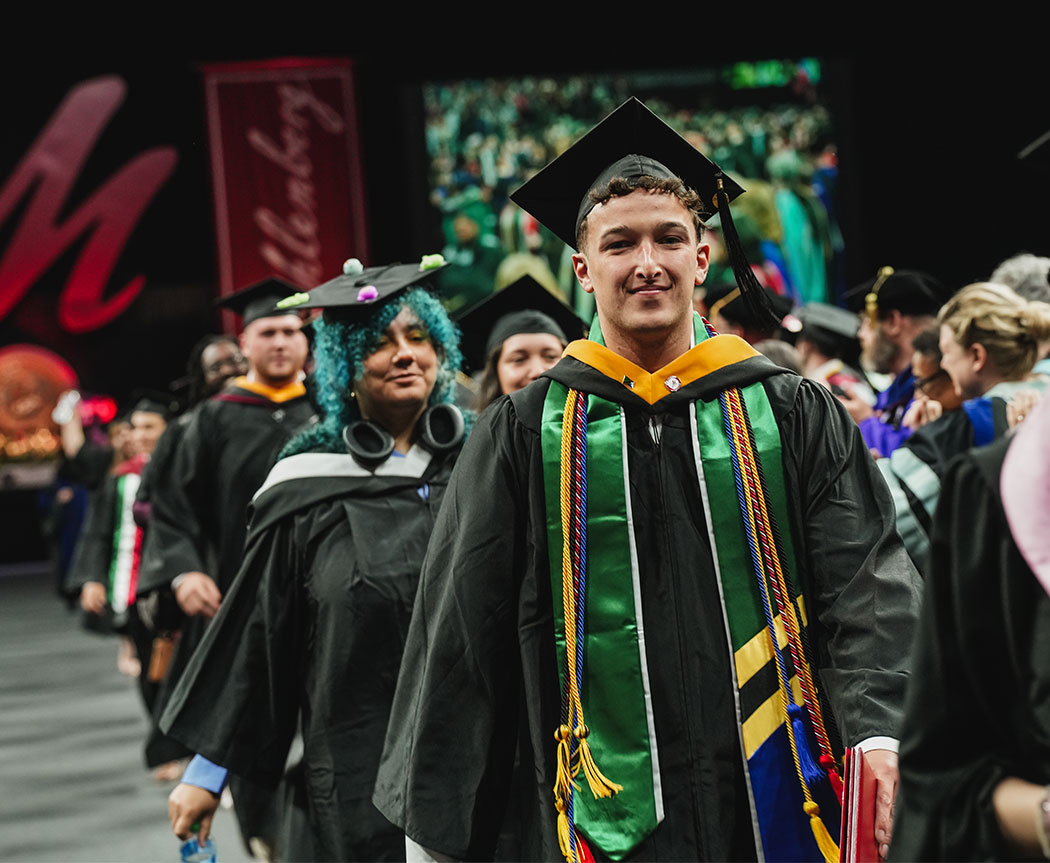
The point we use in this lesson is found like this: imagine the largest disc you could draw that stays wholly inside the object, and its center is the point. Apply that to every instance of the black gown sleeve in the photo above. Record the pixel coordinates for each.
(976, 709)
(863, 591)
(238, 700)
(441, 780)
(177, 542)
(90, 465)
(94, 549)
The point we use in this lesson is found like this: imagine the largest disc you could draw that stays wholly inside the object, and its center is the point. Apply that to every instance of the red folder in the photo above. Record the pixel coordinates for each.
(857, 840)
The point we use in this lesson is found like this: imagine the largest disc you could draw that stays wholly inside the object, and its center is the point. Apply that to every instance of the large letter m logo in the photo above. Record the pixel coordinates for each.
(48, 171)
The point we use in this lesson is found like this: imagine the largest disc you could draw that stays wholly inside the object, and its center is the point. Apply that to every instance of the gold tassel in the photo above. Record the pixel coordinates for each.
(600, 785)
(564, 838)
(563, 778)
(825, 843)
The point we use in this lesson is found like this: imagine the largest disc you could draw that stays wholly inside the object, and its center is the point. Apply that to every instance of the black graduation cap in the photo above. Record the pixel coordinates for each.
(359, 289)
(524, 306)
(911, 292)
(829, 319)
(727, 299)
(630, 142)
(258, 300)
(154, 402)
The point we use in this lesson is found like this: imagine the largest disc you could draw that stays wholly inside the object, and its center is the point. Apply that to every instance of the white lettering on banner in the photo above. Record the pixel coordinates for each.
(291, 245)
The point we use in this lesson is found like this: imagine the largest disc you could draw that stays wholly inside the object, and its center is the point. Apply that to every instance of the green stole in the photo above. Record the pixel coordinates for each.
(612, 679)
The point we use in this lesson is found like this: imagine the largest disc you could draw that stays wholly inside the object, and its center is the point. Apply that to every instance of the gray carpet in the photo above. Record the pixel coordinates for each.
(73, 784)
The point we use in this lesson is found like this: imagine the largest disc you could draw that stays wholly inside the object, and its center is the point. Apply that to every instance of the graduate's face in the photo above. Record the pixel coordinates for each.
(879, 352)
(524, 357)
(275, 349)
(963, 365)
(641, 259)
(221, 361)
(401, 371)
(146, 429)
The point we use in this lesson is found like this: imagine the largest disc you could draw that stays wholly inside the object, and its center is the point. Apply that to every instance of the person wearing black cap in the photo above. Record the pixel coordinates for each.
(214, 360)
(106, 563)
(895, 306)
(226, 451)
(728, 312)
(514, 336)
(604, 575)
(104, 578)
(198, 518)
(313, 627)
(829, 349)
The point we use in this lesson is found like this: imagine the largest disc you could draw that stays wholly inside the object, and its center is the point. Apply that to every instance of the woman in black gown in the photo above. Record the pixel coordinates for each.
(313, 628)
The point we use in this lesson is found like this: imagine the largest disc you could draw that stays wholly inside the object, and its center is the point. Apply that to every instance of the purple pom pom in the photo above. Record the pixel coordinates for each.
(366, 295)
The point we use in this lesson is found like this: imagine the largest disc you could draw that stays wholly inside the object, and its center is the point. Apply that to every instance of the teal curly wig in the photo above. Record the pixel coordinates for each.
(340, 350)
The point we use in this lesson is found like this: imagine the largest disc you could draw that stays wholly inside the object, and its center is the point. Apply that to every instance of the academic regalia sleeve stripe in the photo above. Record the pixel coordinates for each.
(916, 540)
(917, 476)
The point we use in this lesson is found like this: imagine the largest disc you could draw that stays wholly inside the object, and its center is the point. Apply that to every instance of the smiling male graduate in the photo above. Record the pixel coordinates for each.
(619, 540)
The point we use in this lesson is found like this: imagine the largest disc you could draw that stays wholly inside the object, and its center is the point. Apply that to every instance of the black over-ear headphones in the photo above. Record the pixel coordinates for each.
(441, 429)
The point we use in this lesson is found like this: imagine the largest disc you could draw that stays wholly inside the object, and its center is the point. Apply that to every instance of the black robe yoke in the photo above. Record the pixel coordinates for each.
(314, 626)
(479, 674)
(978, 703)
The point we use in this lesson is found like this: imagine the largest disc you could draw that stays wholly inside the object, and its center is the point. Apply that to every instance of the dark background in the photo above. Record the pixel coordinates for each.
(928, 160)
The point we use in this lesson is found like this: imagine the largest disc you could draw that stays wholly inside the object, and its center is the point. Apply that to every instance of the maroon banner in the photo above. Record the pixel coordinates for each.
(286, 170)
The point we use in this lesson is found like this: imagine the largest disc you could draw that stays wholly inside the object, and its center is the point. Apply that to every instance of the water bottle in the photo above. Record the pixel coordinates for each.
(195, 851)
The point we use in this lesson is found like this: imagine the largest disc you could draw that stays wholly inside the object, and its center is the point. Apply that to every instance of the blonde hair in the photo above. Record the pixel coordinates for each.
(1010, 328)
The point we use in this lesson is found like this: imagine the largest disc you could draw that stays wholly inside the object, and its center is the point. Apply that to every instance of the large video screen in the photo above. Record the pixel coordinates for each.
(768, 124)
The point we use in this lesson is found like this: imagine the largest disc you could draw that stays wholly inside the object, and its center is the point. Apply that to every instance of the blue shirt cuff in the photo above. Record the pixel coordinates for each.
(202, 773)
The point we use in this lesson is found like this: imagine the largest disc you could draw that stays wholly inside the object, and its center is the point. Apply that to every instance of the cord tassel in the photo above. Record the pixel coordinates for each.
(811, 770)
(828, 763)
(601, 786)
(828, 849)
(563, 783)
(564, 835)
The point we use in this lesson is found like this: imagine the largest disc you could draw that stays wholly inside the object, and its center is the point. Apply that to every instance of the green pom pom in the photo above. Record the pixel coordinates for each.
(293, 300)
(432, 262)
(353, 267)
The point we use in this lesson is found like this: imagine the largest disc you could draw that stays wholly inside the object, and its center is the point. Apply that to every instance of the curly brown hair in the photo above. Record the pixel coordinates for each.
(618, 187)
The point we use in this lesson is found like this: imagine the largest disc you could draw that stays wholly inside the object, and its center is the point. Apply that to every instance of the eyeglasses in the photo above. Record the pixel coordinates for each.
(922, 383)
(234, 363)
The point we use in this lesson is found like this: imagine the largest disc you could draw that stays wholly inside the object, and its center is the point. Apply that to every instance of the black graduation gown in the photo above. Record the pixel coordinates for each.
(313, 627)
(199, 514)
(92, 561)
(198, 520)
(978, 703)
(914, 470)
(479, 673)
(158, 471)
